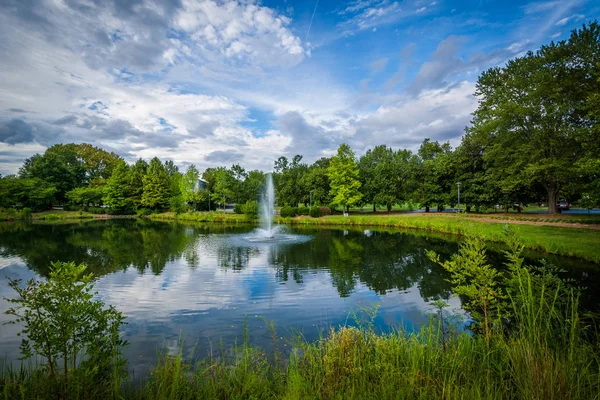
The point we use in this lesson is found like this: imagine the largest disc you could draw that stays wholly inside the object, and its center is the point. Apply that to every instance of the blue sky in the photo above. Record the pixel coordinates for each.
(222, 82)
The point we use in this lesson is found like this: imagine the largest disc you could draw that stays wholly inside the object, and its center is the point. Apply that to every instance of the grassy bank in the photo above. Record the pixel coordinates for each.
(203, 216)
(583, 243)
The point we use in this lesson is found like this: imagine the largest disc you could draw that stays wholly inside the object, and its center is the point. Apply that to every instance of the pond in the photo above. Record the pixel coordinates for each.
(191, 286)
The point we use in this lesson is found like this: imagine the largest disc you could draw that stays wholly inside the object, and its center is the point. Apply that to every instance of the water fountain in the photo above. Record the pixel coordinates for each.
(267, 233)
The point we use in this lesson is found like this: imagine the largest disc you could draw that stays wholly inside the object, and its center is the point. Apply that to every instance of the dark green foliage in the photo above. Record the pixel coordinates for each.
(315, 212)
(534, 117)
(238, 208)
(288, 211)
(303, 210)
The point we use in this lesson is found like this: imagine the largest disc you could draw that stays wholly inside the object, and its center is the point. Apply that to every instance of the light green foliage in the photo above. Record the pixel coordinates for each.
(188, 187)
(344, 178)
(157, 186)
(250, 209)
(65, 326)
(117, 189)
(97, 163)
(223, 187)
(85, 196)
(477, 281)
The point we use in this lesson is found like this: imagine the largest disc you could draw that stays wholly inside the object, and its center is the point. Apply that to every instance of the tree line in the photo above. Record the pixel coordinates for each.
(534, 138)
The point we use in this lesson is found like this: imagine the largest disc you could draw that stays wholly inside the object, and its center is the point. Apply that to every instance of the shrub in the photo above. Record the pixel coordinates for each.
(303, 210)
(287, 211)
(26, 212)
(315, 212)
(143, 211)
(66, 327)
(238, 208)
(251, 209)
(325, 210)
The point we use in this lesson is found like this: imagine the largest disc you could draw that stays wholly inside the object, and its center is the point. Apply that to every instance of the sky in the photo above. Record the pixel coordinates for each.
(215, 83)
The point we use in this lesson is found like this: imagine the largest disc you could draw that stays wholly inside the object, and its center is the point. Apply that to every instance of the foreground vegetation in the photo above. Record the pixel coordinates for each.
(527, 340)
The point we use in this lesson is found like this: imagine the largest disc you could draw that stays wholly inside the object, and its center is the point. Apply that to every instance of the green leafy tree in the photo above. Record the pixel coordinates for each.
(66, 326)
(85, 195)
(288, 183)
(190, 193)
(477, 281)
(344, 178)
(253, 185)
(434, 174)
(60, 166)
(224, 186)
(157, 186)
(534, 114)
(98, 163)
(316, 180)
(136, 181)
(117, 189)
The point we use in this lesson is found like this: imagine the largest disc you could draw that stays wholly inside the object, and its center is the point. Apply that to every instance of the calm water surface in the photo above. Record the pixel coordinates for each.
(197, 283)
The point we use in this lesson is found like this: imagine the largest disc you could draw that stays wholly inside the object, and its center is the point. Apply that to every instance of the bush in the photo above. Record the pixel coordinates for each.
(315, 212)
(287, 211)
(26, 212)
(325, 210)
(238, 208)
(303, 210)
(143, 211)
(251, 209)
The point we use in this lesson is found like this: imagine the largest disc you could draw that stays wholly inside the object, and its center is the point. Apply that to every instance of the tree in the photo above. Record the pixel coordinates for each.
(343, 175)
(381, 176)
(434, 174)
(98, 163)
(189, 185)
(66, 325)
(288, 183)
(224, 186)
(316, 180)
(157, 186)
(534, 114)
(85, 195)
(117, 189)
(60, 166)
(135, 180)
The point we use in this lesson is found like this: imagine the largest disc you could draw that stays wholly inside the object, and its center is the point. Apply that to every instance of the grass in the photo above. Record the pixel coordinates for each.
(203, 216)
(567, 241)
(544, 355)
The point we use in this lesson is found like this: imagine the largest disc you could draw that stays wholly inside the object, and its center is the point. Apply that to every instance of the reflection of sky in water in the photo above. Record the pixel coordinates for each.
(201, 288)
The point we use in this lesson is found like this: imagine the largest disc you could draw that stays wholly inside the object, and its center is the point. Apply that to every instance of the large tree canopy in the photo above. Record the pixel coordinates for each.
(344, 178)
(533, 119)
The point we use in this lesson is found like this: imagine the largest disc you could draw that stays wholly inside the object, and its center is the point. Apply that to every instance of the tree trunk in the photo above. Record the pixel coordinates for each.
(552, 188)
(426, 208)
(374, 208)
(389, 207)
(468, 209)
